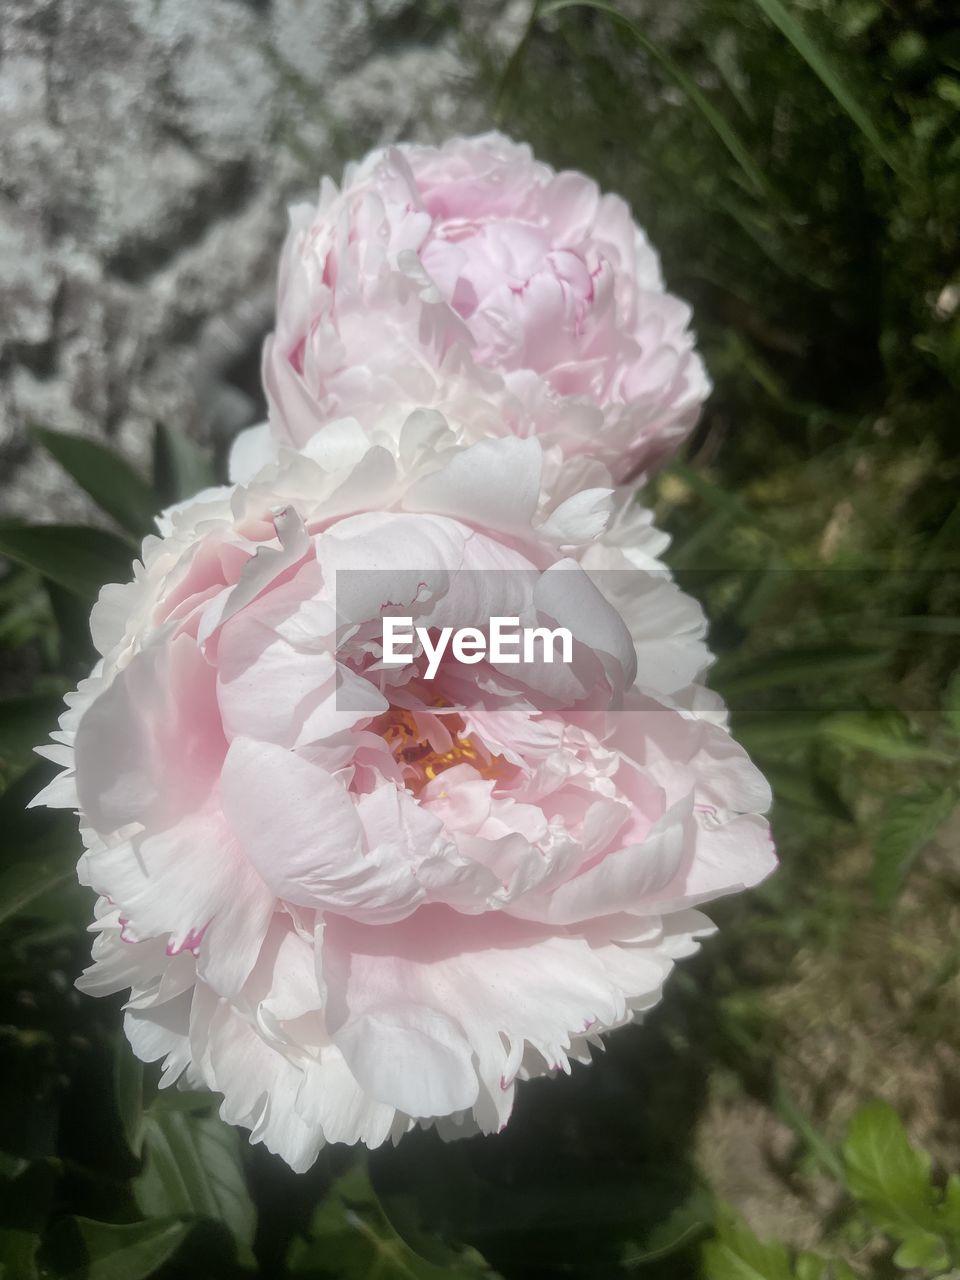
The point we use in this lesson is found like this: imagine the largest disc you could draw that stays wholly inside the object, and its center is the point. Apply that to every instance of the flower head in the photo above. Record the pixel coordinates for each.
(475, 279)
(350, 898)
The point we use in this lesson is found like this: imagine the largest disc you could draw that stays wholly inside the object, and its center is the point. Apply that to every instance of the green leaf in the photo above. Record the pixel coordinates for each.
(108, 478)
(351, 1238)
(722, 128)
(129, 1251)
(192, 1167)
(180, 467)
(74, 556)
(737, 1254)
(128, 1093)
(889, 1177)
(923, 1249)
(908, 825)
(832, 77)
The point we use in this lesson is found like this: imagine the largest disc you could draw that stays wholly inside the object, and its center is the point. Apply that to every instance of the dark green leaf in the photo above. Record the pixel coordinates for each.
(180, 467)
(78, 558)
(351, 1238)
(128, 1093)
(128, 1251)
(908, 824)
(192, 1167)
(108, 478)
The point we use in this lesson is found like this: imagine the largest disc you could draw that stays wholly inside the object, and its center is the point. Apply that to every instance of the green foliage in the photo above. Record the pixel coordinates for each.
(350, 1237)
(128, 1251)
(908, 824)
(192, 1166)
(737, 1254)
(77, 558)
(891, 1180)
(109, 480)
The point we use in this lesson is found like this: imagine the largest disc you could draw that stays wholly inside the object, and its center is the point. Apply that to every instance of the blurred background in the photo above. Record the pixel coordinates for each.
(792, 1110)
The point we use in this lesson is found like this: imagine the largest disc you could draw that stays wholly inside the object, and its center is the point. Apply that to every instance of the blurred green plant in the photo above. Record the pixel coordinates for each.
(893, 1195)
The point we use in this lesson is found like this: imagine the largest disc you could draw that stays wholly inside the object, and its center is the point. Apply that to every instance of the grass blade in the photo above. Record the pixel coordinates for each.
(833, 80)
(722, 128)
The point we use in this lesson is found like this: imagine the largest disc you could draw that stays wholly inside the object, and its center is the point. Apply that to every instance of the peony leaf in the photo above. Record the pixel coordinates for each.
(192, 1168)
(128, 1093)
(106, 476)
(74, 556)
(180, 466)
(128, 1251)
(908, 825)
(351, 1237)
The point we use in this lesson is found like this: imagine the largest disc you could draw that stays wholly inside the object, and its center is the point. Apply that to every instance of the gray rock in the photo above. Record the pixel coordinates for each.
(148, 149)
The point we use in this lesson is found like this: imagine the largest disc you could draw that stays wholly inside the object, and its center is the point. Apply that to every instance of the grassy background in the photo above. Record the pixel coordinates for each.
(798, 167)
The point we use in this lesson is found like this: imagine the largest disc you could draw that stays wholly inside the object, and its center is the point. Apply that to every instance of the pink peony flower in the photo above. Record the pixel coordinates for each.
(476, 280)
(350, 899)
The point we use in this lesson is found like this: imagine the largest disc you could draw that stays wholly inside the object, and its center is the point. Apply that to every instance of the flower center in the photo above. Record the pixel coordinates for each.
(421, 761)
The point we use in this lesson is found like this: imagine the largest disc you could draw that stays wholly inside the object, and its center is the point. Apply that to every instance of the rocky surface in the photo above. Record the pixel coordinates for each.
(148, 149)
